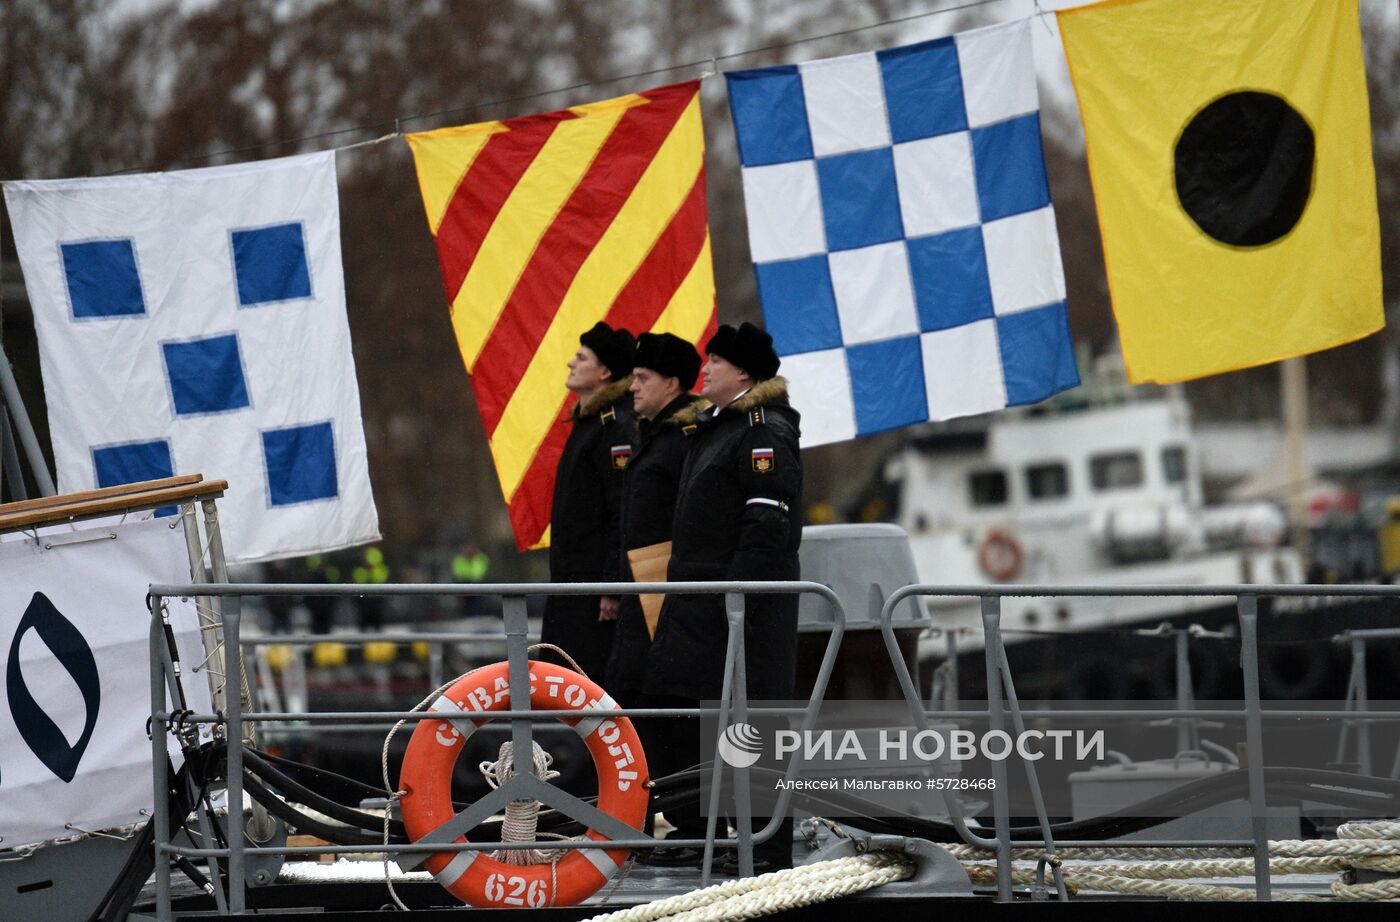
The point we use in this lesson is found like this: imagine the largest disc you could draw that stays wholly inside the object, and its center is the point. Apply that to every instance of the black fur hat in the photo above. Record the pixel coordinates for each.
(614, 348)
(669, 356)
(749, 347)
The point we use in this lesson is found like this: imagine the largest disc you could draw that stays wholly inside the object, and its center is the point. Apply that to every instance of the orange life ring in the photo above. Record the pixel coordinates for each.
(1000, 555)
(477, 878)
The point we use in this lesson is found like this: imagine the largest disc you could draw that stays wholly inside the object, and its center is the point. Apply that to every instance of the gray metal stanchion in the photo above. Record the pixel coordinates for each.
(991, 626)
(160, 775)
(232, 619)
(1254, 739)
(743, 802)
(518, 668)
(9, 396)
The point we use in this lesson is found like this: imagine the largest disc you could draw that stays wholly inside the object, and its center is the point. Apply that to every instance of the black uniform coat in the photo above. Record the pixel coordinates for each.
(738, 517)
(585, 523)
(648, 507)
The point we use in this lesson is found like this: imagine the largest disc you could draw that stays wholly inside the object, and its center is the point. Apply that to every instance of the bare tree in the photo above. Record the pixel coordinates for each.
(85, 90)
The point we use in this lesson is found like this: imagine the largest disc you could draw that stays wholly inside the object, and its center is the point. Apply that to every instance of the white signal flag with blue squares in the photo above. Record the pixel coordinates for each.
(194, 322)
(901, 229)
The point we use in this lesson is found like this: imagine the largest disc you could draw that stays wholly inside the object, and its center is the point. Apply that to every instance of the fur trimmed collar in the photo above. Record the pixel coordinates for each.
(763, 393)
(605, 398)
(689, 414)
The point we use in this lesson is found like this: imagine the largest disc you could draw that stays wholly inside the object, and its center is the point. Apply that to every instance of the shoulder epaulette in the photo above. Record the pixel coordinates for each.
(757, 417)
(689, 428)
(608, 415)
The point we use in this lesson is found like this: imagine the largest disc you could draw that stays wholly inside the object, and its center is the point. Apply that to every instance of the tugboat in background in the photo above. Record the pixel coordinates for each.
(1109, 492)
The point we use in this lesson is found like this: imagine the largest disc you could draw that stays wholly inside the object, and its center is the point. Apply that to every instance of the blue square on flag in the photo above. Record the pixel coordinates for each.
(771, 109)
(923, 90)
(206, 375)
(804, 317)
(270, 264)
(860, 201)
(887, 384)
(133, 462)
(1036, 354)
(950, 279)
(912, 182)
(300, 463)
(1010, 168)
(102, 279)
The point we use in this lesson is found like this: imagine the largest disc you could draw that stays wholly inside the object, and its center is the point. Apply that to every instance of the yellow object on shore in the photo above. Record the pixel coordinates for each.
(329, 654)
(379, 652)
(280, 657)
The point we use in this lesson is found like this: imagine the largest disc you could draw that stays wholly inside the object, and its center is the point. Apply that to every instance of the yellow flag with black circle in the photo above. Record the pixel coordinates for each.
(1230, 151)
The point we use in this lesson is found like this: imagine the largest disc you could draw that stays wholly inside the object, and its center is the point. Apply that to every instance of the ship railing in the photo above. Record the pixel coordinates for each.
(734, 707)
(292, 670)
(1003, 704)
(1358, 698)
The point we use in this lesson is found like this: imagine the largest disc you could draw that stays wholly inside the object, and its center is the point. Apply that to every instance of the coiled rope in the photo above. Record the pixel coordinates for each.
(1373, 846)
(752, 897)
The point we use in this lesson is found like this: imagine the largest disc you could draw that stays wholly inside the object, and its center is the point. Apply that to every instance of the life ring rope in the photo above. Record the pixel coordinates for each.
(475, 877)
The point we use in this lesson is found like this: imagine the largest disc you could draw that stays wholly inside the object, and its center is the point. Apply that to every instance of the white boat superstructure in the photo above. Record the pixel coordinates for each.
(1107, 495)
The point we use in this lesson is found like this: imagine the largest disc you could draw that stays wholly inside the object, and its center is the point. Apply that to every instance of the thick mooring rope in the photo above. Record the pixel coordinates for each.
(1163, 871)
(752, 897)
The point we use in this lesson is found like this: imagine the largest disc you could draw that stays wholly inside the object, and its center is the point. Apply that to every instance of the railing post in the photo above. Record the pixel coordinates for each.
(218, 571)
(518, 668)
(1018, 721)
(10, 397)
(743, 803)
(233, 742)
(1186, 729)
(205, 609)
(916, 706)
(437, 654)
(732, 647)
(951, 701)
(160, 810)
(1248, 606)
(1363, 702)
(1001, 807)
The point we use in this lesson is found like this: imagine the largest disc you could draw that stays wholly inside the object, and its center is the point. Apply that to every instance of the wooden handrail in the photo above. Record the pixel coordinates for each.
(63, 499)
(130, 497)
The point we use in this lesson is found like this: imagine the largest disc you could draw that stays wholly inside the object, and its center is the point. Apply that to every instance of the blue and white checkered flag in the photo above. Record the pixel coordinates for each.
(194, 322)
(901, 229)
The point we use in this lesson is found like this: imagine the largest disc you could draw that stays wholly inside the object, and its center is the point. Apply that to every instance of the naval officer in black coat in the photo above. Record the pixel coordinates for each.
(738, 517)
(665, 370)
(585, 519)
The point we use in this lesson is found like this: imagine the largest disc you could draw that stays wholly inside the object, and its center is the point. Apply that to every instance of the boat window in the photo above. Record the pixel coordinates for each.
(1173, 464)
(988, 488)
(1047, 481)
(1116, 471)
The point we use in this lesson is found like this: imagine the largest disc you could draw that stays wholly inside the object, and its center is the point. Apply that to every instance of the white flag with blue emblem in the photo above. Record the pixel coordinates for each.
(902, 233)
(194, 322)
(75, 695)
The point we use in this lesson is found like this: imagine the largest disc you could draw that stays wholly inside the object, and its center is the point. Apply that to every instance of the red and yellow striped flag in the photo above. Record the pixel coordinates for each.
(547, 224)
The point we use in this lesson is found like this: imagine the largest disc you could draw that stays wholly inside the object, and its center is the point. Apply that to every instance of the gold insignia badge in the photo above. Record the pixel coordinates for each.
(762, 460)
(621, 455)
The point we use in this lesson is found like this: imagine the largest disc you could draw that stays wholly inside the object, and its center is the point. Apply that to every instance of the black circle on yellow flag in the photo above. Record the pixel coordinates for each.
(1244, 168)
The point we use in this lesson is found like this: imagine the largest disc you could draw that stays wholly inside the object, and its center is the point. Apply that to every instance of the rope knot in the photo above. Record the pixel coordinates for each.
(522, 816)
